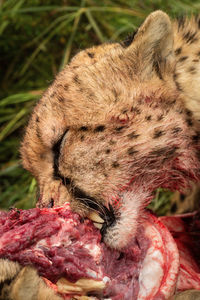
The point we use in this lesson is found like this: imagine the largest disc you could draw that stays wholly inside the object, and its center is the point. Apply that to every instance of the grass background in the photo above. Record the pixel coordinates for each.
(37, 38)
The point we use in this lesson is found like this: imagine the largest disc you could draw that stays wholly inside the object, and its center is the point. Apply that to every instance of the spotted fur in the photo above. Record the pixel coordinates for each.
(119, 121)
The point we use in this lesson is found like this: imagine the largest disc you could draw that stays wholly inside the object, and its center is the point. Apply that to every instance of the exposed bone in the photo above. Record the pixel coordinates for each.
(82, 286)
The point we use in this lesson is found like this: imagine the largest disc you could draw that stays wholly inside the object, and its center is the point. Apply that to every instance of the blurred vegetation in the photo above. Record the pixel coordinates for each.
(37, 38)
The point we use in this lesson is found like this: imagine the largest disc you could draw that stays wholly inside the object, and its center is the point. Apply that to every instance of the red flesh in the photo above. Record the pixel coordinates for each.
(52, 240)
(58, 243)
(186, 232)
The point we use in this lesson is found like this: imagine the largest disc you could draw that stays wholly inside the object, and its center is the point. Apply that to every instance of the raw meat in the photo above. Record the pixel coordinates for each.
(186, 232)
(60, 244)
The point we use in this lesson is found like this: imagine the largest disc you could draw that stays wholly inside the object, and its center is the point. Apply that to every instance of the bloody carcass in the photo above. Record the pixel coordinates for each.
(66, 249)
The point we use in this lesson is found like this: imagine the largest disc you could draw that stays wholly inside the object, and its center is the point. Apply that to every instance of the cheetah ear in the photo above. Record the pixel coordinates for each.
(153, 45)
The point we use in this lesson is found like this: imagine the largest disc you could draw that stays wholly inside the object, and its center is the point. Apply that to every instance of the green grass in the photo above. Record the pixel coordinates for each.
(37, 39)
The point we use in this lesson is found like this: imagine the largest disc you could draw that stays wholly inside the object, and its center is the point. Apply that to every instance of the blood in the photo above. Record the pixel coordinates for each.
(186, 232)
(59, 243)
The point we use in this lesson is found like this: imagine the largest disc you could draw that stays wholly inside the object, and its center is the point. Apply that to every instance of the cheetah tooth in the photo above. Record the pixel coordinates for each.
(97, 225)
(95, 217)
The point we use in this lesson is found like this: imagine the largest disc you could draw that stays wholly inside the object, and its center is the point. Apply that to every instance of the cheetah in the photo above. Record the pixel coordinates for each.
(119, 121)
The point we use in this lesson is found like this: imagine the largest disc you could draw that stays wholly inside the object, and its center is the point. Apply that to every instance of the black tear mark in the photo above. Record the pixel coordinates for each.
(56, 153)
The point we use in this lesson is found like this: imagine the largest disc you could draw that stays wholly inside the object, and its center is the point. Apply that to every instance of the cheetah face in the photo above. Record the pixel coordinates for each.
(131, 133)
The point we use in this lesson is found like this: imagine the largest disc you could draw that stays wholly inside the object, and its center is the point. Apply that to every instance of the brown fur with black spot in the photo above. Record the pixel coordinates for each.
(133, 100)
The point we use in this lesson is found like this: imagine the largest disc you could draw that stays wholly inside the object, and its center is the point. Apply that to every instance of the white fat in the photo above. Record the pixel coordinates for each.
(92, 273)
(94, 251)
(61, 237)
(42, 243)
(106, 279)
(151, 273)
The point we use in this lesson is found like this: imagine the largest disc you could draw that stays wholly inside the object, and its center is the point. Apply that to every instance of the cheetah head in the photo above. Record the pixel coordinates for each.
(128, 131)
